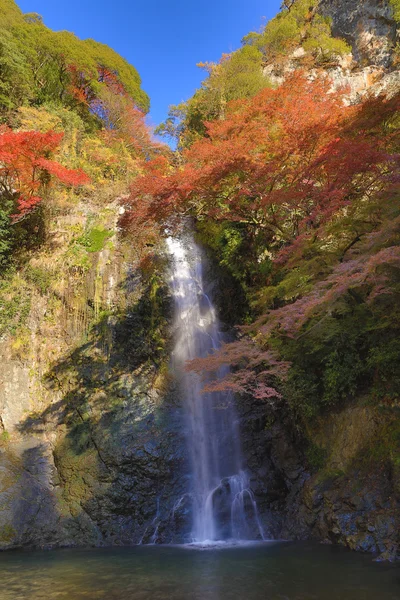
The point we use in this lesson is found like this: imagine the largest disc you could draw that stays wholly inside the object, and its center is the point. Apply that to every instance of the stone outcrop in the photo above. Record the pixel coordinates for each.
(373, 34)
(350, 499)
(368, 26)
(92, 448)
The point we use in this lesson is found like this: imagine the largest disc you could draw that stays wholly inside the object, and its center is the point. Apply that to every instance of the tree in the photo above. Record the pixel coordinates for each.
(48, 66)
(280, 162)
(298, 25)
(306, 178)
(14, 73)
(236, 75)
(26, 168)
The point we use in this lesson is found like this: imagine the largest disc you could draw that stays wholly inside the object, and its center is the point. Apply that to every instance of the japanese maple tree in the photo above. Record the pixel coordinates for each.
(26, 167)
(281, 162)
(305, 173)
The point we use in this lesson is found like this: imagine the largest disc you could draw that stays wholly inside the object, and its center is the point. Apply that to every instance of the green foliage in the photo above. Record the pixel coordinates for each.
(77, 259)
(320, 42)
(5, 436)
(353, 351)
(302, 391)
(328, 475)
(280, 35)
(383, 361)
(6, 234)
(344, 367)
(14, 72)
(39, 277)
(395, 4)
(15, 303)
(301, 26)
(94, 239)
(36, 62)
(228, 263)
(386, 445)
(15, 238)
(53, 81)
(237, 252)
(316, 456)
(238, 75)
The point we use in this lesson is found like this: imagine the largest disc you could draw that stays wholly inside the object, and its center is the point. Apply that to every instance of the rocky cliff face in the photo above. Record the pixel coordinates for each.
(373, 34)
(91, 442)
(341, 490)
(92, 449)
(368, 25)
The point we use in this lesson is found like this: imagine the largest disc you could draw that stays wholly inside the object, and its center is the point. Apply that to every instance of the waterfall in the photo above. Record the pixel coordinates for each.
(224, 507)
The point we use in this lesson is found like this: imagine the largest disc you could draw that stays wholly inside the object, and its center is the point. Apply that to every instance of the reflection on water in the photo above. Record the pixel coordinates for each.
(264, 572)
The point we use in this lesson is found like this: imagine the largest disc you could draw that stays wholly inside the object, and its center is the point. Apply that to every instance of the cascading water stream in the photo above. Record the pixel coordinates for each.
(224, 507)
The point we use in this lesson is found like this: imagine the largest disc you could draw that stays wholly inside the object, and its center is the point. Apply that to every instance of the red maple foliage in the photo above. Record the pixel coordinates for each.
(284, 162)
(111, 80)
(252, 369)
(79, 87)
(26, 164)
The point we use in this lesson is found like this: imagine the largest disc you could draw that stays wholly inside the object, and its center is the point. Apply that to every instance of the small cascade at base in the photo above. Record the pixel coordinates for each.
(224, 507)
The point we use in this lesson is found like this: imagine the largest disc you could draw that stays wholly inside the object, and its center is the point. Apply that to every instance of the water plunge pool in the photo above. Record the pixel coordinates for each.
(270, 571)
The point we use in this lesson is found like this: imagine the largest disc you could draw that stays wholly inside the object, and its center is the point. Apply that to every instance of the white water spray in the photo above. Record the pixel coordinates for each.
(224, 507)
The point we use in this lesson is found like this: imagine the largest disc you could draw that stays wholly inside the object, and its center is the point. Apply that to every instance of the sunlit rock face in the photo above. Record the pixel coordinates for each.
(371, 67)
(368, 25)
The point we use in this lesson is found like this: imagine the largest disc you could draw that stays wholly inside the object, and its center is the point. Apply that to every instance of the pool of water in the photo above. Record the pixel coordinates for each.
(275, 571)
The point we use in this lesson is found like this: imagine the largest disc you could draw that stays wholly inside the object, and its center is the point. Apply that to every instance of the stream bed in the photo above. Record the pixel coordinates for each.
(268, 571)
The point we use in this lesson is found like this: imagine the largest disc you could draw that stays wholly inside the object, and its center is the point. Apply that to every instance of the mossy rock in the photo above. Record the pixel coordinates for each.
(7, 534)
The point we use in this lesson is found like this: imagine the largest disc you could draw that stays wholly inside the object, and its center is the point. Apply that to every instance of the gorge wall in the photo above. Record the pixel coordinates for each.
(369, 26)
(91, 451)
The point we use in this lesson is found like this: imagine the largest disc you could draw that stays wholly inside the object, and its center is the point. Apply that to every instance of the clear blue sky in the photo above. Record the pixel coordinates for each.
(163, 39)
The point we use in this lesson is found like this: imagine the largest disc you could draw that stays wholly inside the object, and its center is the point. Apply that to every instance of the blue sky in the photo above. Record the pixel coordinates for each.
(163, 39)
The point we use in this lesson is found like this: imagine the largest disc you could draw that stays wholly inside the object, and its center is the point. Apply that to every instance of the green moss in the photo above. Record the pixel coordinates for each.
(316, 457)
(21, 343)
(75, 459)
(395, 4)
(15, 303)
(4, 437)
(39, 277)
(95, 239)
(329, 475)
(7, 533)
(77, 258)
(386, 446)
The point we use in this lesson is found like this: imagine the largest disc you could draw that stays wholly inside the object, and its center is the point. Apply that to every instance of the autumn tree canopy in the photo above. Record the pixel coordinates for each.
(284, 162)
(287, 186)
(41, 65)
(26, 166)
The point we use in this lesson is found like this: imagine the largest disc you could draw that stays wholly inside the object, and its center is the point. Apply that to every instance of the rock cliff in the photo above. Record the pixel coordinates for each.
(368, 26)
(91, 444)
(372, 32)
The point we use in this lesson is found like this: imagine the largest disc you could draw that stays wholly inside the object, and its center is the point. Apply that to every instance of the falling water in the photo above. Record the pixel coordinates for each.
(224, 507)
